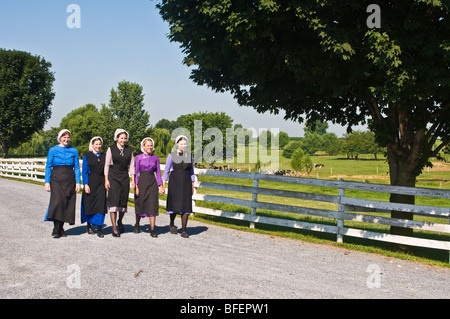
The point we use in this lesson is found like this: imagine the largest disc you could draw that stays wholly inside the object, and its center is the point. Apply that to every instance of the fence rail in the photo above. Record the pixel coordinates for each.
(348, 208)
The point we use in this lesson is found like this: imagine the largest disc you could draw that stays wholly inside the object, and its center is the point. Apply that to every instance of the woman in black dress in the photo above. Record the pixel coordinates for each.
(62, 180)
(119, 160)
(93, 200)
(181, 185)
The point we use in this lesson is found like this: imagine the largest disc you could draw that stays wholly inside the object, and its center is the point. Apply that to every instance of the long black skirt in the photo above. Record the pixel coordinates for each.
(62, 195)
(147, 203)
(179, 195)
(93, 205)
(119, 189)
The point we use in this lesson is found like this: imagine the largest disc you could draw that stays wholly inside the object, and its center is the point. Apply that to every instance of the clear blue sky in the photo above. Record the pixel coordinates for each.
(118, 40)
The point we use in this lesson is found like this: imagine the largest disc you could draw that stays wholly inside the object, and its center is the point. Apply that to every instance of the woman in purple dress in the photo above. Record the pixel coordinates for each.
(147, 180)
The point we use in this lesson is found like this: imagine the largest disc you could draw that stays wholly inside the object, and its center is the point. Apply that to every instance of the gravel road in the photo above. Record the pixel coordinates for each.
(213, 263)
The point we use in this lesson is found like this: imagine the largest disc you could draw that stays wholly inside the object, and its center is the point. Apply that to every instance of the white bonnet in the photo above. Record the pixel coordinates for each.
(180, 137)
(62, 132)
(92, 140)
(120, 131)
(143, 141)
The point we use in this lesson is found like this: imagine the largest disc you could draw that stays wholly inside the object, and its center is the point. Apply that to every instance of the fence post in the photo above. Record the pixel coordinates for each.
(340, 222)
(27, 163)
(34, 176)
(254, 198)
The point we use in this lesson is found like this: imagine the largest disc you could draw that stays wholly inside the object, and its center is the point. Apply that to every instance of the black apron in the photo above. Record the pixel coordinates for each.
(179, 197)
(95, 201)
(119, 180)
(147, 202)
(62, 195)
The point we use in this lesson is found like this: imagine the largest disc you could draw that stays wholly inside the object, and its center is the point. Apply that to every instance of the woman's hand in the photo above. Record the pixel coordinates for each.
(162, 190)
(77, 188)
(87, 189)
(107, 184)
(47, 187)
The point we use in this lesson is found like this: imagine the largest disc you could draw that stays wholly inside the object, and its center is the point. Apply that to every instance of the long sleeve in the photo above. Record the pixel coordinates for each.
(137, 166)
(158, 172)
(192, 170)
(108, 161)
(132, 168)
(169, 164)
(77, 167)
(85, 171)
(49, 165)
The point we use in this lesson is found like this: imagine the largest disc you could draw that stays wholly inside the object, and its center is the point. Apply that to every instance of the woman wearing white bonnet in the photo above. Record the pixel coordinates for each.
(181, 184)
(119, 165)
(93, 200)
(62, 180)
(147, 180)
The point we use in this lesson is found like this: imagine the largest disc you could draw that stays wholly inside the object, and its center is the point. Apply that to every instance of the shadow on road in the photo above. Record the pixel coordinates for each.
(145, 228)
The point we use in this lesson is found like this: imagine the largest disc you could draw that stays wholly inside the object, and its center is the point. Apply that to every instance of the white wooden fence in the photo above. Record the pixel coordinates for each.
(348, 208)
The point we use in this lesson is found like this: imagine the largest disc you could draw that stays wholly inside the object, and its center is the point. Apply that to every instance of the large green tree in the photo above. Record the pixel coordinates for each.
(126, 110)
(26, 95)
(321, 60)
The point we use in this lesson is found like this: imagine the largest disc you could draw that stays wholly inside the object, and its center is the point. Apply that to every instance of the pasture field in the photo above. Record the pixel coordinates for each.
(366, 169)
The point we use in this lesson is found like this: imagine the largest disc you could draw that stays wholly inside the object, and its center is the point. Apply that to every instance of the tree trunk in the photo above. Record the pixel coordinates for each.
(5, 151)
(405, 158)
(401, 174)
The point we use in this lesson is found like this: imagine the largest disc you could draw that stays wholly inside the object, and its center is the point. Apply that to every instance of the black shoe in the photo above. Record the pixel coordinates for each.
(99, 232)
(173, 230)
(121, 228)
(56, 229)
(115, 234)
(153, 234)
(63, 233)
(89, 229)
(137, 229)
(56, 233)
(184, 234)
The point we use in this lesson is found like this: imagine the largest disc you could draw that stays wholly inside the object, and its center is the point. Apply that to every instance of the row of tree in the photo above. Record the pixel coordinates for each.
(352, 144)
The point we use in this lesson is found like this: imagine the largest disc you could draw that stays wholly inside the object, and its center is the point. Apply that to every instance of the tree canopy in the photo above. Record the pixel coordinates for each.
(322, 60)
(126, 110)
(26, 95)
(319, 60)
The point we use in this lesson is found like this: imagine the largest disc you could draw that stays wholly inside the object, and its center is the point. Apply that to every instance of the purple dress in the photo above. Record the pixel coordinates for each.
(148, 178)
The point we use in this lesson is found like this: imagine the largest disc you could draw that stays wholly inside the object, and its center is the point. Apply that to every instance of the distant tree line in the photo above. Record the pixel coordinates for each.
(316, 139)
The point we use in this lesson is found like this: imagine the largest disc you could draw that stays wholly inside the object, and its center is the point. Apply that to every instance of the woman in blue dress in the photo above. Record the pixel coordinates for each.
(62, 180)
(93, 200)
